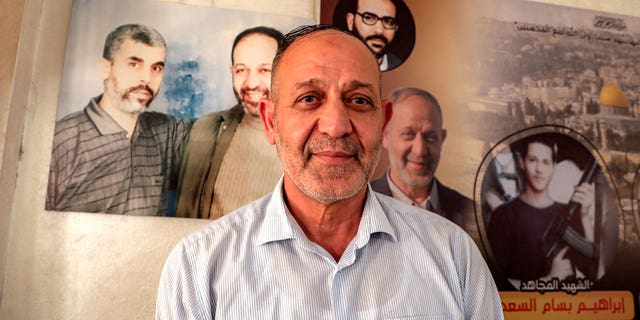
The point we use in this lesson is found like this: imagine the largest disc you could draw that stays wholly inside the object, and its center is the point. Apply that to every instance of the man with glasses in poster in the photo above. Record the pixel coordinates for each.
(374, 21)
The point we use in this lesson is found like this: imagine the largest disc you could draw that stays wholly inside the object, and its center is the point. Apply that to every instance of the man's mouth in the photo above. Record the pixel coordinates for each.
(141, 90)
(253, 96)
(377, 42)
(333, 157)
(538, 179)
(420, 165)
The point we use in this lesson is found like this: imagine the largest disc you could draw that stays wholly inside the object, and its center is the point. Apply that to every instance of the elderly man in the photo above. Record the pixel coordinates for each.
(228, 162)
(323, 245)
(113, 156)
(413, 140)
(374, 21)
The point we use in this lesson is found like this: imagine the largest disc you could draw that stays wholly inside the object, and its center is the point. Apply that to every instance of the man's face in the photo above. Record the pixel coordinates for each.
(376, 36)
(133, 77)
(414, 140)
(253, 56)
(327, 117)
(538, 167)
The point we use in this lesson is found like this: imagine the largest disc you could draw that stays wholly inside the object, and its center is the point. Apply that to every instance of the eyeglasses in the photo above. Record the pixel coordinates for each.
(371, 19)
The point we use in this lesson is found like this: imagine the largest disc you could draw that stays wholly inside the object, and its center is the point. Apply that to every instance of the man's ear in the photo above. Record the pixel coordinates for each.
(443, 133)
(266, 114)
(350, 16)
(385, 137)
(104, 68)
(387, 109)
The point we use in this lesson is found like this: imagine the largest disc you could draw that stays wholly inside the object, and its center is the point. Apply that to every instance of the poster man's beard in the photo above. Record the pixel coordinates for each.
(135, 106)
(382, 52)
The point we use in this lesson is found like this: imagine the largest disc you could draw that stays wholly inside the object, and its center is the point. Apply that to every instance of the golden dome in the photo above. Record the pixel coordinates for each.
(612, 95)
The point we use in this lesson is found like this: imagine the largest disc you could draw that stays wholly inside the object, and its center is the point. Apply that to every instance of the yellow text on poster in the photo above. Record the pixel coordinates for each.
(605, 305)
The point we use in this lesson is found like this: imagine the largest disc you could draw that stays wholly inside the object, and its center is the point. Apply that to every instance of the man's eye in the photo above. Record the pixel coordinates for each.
(157, 68)
(308, 99)
(407, 135)
(133, 64)
(240, 70)
(430, 138)
(308, 102)
(265, 70)
(360, 103)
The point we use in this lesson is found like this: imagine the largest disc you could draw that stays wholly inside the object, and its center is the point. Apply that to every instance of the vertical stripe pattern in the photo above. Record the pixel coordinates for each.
(96, 168)
(257, 263)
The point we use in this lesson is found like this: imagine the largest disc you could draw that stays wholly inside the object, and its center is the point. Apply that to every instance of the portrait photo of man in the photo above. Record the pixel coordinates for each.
(192, 79)
(114, 156)
(386, 26)
(228, 161)
(413, 140)
(562, 224)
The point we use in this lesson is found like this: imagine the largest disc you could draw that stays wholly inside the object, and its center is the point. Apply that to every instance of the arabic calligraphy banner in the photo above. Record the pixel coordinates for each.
(542, 109)
(554, 98)
(603, 305)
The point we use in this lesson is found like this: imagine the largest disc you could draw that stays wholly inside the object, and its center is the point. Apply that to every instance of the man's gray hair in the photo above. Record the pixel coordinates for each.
(135, 32)
(400, 94)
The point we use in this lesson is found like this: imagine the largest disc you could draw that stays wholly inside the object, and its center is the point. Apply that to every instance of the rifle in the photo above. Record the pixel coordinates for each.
(559, 234)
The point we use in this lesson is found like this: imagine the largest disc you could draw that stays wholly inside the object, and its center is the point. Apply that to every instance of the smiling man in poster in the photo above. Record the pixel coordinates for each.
(414, 139)
(227, 160)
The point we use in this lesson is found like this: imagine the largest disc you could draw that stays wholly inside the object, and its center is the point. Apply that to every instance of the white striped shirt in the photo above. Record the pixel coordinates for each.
(257, 263)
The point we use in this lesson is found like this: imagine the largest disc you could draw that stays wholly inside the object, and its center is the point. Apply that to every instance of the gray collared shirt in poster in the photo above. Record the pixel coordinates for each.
(95, 167)
(257, 263)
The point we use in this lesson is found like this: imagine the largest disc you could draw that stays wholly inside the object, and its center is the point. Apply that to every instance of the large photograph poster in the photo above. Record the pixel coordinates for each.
(140, 79)
(553, 97)
(197, 78)
(549, 148)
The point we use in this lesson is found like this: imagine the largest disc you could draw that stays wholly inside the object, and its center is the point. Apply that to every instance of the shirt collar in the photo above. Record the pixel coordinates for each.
(374, 220)
(432, 199)
(384, 65)
(279, 224)
(102, 120)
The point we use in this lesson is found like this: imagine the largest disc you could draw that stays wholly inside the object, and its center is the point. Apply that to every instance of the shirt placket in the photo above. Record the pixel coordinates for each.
(340, 287)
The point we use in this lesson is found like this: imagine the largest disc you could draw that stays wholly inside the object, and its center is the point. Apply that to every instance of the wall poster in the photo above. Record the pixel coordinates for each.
(138, 75)
(550, 103)
(553, 96)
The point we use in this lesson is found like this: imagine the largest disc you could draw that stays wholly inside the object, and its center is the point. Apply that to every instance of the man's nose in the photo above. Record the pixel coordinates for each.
(334, 119)
(419, 146)
(538, 167)
(144, 75)
(252, 80)
(377, 27)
